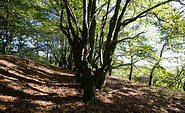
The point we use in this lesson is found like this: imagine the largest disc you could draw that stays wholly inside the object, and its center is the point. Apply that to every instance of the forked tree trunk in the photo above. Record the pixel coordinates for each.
(90, 81)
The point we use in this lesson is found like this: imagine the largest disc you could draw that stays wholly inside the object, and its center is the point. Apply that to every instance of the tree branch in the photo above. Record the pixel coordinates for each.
(113, 23)
(123, 10)
(96, 12)
(112, 27)
(85, 21)
(158, 17)
(129, 38)
(63, 29)
(115, 67)
(70, 24)
(180, 2)
(70, 12)
(144, 13)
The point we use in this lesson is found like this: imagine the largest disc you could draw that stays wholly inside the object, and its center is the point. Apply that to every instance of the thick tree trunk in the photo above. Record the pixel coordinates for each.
(78, 76)
(89, 92)
(99, 79)
(88, 86)
(90, 83)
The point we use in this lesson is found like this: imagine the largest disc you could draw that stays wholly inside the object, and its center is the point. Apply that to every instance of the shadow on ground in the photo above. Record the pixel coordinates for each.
(30, 86)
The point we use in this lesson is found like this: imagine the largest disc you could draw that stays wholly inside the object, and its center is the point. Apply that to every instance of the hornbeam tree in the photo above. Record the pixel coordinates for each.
(92, 28)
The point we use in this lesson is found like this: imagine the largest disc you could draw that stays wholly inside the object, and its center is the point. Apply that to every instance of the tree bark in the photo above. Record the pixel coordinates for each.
(131, 68)
(89, 87)
(110, 72)
(99, 79)
(151, 75)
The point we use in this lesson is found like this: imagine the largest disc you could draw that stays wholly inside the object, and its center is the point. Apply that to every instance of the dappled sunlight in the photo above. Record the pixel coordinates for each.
(39, 87)
(7, 98)
(8, 64)
(125, 96)
(35, 84)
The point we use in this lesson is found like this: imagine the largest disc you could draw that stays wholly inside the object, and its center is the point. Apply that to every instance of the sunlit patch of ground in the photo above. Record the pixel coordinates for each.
(30, 86)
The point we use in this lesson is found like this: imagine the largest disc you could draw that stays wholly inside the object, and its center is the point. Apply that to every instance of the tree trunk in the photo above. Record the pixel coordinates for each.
(131, 68)
(47, 56)
(151, 75)
(20, 46)
(5, 49)
(88, 86)
(78, 76)
(99, 79)
(180, 78)
(110, 72)
(70, 63)
(50, 59)
(20, 51)
(89, 81)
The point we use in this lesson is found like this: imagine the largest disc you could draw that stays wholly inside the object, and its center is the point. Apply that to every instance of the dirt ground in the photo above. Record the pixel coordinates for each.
(28, 86)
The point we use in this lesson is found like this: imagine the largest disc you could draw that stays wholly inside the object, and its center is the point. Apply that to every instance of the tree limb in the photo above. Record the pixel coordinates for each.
(121, 65)
(143, 14)
(97, 11)
(70, 11)
(129, 38)
(158, 17)
(180, 2)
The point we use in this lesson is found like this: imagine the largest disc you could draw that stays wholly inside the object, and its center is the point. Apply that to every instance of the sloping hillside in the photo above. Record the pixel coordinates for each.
(30, 86)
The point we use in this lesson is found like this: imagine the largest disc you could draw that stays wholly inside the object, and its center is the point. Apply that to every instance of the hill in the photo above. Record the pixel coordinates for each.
(30, 86)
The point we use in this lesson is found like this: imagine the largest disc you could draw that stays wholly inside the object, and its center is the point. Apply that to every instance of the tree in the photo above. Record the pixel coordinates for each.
(80, 22)
(7, 24)
(134, 50)
(171, 30)
(156, 64)
(16, 21)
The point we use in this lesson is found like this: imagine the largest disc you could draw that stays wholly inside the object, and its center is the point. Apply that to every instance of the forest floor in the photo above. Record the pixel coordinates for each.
(28, 86)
